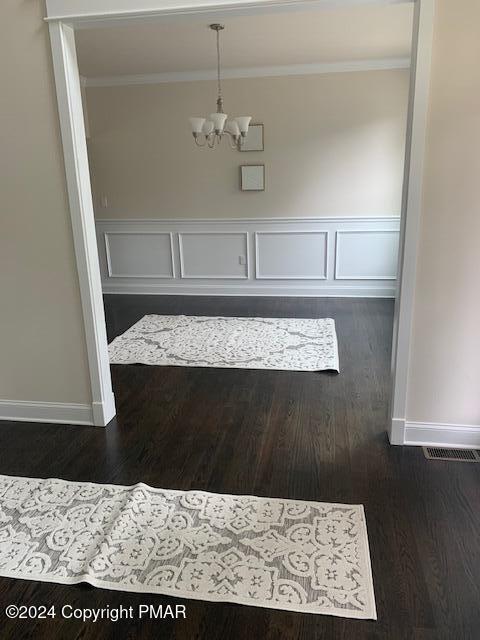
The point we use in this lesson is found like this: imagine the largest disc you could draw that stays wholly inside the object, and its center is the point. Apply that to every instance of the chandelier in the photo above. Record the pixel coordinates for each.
(210, 131)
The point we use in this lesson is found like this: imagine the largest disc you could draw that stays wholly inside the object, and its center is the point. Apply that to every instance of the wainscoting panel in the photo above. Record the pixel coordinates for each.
(366, 255)
(291, 255)
(265, 256)
(139, 255)
(213, 255)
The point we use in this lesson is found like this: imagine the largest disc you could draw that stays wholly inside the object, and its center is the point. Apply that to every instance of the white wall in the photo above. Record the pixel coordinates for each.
(42, 343)
(334, 146)
(444, 379)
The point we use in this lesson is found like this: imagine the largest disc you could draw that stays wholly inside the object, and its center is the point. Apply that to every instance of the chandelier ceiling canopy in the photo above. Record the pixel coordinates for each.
(210, 131)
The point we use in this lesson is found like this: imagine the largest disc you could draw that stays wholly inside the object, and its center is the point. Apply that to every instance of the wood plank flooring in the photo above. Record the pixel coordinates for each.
(311, 436)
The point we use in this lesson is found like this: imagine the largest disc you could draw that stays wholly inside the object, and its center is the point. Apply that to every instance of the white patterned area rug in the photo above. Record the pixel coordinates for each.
(310, 557)
(296, 344)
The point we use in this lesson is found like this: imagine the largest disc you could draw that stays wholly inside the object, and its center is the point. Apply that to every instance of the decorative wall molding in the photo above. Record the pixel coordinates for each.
(129, 223)
(254, 256)
(53, 412)
(297, 276)
(215, 238)
(385, 264)
(315, 68)
(126, 234)
(283, 289)
(436, 434)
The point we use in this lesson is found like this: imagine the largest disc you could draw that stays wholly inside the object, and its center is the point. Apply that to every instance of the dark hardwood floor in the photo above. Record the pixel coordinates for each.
(312, 436)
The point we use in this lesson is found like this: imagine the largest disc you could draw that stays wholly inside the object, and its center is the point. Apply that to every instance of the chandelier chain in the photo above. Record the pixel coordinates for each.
(219, 82)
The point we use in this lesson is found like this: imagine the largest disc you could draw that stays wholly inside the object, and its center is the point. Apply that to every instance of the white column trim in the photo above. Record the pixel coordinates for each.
(72, 127)
(411, 210)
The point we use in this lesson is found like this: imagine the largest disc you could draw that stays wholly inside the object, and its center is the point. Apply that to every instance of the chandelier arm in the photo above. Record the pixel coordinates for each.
(198, 143)
(233, 140)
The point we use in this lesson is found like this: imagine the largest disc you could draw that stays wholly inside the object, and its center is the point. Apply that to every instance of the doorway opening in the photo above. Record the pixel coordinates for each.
(187, 262)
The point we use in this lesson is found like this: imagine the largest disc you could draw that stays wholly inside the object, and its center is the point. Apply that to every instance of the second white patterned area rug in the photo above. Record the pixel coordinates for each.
(310, 557)
(298, 344)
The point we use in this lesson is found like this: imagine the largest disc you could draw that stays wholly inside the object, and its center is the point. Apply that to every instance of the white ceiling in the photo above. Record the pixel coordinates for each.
(306, 37)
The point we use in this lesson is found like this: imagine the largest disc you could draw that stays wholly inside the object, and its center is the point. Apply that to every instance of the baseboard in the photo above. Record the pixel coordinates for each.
(435, 434)
(397, 432)
(49, 412)
(302, 291)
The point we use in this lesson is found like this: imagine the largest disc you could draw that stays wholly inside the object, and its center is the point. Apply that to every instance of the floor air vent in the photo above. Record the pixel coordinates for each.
(458, 455)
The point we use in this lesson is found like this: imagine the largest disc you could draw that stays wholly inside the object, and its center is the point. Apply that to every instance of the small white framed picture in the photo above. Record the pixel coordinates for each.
(252, 177)
(254, 138)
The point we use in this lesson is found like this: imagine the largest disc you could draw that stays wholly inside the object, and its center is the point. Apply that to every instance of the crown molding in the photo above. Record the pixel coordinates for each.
(250, 72)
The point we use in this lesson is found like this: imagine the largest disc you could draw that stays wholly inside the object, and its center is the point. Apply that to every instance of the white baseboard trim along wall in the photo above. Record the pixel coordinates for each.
(53, 412)
(435, 434)
(354, 256)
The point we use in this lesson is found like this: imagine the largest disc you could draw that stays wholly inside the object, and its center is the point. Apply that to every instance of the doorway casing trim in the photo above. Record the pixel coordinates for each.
(69, 98)
(64, 16)
(422, 42)
(88, 13)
